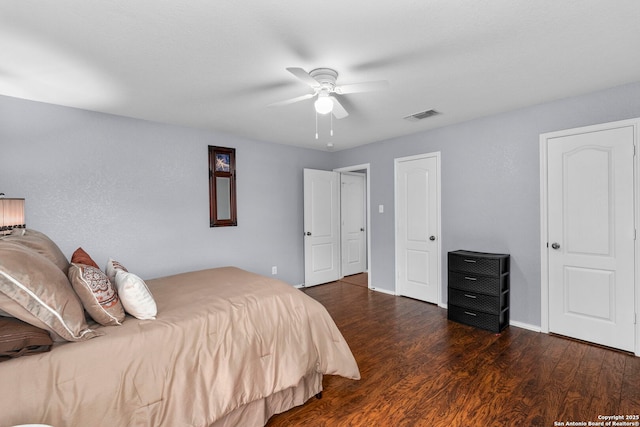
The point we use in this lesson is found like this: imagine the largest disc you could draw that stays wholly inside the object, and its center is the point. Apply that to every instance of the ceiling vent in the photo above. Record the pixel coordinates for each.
(422, 115)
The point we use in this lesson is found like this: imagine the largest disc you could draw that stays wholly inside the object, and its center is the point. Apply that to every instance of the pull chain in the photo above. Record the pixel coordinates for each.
(316, 125)
(331, 123)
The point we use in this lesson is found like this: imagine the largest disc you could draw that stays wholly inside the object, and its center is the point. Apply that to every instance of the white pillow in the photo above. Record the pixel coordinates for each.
(111, 268)
(135, 296)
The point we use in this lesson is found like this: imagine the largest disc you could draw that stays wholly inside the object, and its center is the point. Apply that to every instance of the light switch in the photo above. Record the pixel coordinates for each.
(381, 208)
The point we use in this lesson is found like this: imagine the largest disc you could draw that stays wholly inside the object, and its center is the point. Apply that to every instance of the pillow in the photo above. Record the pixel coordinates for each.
(13, 309)
(112, 267)
(135, 296)
(18, 338)
(81, 257)
(98, 295)
(40, 293)
(40, 243)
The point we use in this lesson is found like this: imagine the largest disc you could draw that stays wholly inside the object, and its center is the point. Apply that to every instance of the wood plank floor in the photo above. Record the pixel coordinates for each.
(419, 369)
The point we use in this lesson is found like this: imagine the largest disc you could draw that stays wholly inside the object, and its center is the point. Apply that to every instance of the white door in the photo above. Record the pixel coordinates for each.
(590, 187)
(352, 220)
(321, 226)
(417, 227)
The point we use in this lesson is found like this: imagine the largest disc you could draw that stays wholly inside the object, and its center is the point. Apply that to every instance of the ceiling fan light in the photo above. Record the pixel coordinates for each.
(324, 104)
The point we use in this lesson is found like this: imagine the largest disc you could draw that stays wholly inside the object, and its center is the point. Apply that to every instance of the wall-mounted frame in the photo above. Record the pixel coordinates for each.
(222, 187)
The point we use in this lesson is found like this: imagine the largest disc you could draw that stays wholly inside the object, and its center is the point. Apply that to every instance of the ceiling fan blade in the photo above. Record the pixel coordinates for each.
(362, 87)
(292, 100)
(304, 76)
(338, 110)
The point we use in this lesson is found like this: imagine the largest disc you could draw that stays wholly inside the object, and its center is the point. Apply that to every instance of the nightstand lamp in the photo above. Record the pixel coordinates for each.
(11, 214)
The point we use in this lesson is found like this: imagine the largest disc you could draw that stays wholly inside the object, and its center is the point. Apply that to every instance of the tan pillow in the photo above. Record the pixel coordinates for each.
(39, 287)
(98, 295)
(136, 297)
(40, 243)
(112, 267)
(13, 309)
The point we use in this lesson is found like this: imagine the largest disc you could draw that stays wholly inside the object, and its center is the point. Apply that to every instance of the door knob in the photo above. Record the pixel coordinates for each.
(555, 245)
(432, 238)
(362, 229)
(308, 233)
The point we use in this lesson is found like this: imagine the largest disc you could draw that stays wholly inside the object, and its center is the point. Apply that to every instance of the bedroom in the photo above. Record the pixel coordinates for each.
(137, 189)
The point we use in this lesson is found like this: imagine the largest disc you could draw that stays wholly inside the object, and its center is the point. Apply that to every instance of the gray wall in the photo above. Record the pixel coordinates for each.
(490, 185)
(137, 191)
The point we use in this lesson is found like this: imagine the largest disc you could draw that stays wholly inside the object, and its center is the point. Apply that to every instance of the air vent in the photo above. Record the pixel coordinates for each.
(422, 115)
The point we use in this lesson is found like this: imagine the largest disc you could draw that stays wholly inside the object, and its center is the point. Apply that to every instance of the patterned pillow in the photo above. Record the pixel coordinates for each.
(112, 267)
(39, 293)
(98, 295)
(136, 297)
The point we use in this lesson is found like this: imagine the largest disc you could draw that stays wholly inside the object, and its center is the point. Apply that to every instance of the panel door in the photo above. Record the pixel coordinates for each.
(591, 236)
(417, 210)
(353, 220)
(321, 226)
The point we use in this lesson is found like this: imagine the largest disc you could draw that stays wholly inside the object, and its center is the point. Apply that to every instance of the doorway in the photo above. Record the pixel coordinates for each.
(336, 221)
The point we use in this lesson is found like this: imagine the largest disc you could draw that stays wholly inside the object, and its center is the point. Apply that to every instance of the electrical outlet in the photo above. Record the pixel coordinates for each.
(274, 270)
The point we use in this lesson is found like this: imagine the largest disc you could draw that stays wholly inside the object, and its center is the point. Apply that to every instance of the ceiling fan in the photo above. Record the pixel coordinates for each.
(323, 83)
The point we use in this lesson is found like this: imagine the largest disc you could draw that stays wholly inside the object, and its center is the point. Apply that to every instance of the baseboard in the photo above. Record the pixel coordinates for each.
(522, 325)
(384, 291)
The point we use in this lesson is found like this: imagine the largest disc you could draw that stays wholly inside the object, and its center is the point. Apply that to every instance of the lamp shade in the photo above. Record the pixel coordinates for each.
(11, 215)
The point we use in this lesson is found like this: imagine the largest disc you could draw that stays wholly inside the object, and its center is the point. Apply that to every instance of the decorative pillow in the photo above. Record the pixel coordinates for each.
(40, 243)
(98, 295)
(135, 296)
(112, 267)
(41, 292)
(18, 338)
(81, 257)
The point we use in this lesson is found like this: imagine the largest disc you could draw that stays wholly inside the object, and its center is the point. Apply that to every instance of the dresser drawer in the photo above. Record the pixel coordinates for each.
(478, 263)
(474, 283)
(491, 322)
(485, 303)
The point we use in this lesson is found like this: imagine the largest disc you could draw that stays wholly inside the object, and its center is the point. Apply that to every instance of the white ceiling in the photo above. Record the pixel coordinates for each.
(218, 64)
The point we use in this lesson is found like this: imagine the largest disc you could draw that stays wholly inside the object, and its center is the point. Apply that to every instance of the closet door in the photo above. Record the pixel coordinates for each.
(353, 220)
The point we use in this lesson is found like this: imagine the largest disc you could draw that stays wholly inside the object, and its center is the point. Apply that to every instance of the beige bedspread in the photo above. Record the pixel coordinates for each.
(223, 338)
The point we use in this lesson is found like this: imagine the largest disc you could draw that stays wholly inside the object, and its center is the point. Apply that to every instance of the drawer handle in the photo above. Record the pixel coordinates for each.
(470, 296)
(470, 260)
(469, 278)
(470, 314)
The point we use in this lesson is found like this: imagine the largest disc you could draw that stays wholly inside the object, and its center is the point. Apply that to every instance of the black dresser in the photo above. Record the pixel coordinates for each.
(479, 289)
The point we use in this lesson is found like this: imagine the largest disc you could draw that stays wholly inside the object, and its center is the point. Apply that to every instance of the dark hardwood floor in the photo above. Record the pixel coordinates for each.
(419, 369)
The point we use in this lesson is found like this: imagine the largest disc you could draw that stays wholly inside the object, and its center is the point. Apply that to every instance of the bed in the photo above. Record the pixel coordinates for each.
(227, 347)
